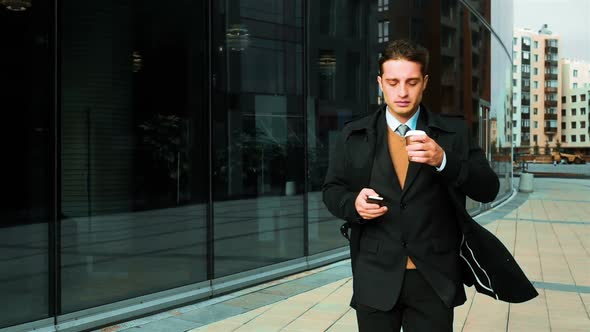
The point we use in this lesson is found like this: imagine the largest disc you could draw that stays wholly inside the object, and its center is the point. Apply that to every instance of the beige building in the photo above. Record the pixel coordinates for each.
(536, 87)
(575, 106)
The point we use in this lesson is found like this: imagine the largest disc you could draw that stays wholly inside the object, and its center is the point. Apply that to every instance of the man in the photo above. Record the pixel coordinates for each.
(412, 253)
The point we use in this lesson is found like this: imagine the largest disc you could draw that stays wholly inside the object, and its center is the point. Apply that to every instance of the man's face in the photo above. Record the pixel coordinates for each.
(402, 84)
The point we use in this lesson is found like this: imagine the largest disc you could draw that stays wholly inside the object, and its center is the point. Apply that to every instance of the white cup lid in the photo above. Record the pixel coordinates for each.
(415, 132)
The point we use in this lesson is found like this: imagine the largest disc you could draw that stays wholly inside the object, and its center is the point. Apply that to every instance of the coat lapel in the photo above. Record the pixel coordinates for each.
(415, 168)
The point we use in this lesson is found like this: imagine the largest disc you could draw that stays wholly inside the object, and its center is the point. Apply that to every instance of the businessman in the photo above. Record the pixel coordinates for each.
(412, 251)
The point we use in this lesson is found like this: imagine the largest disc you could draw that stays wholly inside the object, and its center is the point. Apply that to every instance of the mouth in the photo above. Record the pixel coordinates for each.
(402, 103)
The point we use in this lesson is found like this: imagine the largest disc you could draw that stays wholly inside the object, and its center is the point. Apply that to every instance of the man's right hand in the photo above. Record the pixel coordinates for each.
(368, 210)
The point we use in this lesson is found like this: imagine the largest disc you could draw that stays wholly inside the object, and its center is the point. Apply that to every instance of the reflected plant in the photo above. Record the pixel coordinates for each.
(167, 135)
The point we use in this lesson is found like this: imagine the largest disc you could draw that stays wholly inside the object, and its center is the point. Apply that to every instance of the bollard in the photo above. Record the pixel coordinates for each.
(525, 185)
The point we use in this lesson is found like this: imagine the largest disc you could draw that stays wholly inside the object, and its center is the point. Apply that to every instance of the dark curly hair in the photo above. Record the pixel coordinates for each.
(403, 49)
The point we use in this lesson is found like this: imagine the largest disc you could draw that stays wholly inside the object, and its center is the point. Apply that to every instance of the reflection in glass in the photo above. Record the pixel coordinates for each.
(258, 134)
(134, 133)
(25, 142)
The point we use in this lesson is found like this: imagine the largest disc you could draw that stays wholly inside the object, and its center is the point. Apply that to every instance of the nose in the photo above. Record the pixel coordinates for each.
(402, 91)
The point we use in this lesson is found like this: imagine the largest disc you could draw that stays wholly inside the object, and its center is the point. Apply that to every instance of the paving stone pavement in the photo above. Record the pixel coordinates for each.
(548, 232)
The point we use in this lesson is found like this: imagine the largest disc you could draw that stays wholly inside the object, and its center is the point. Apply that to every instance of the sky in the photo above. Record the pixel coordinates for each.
(568, 18)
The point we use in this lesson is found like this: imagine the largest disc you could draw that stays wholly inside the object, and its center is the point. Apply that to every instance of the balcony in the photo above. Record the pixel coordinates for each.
(525, 129)
(525, 47)
(550, 90)
(550, 116)
(551, 50)
(550, 103)
(525, 116)
(550, 63)
(526, 88)
(549, 130)
(550, 77)
(526, 75)
(525, 102)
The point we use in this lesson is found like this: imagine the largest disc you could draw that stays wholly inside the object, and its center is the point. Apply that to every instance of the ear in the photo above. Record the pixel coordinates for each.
(425, 82)
(380, 82)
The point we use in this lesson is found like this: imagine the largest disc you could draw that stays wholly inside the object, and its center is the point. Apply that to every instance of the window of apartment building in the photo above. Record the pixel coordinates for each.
(526, 41)
(563, 99)
(575, 73)
(536, 44)
(583, 111)
(535, 138)
(514, 137)
(582, 124)
(536, 57)
(536, 124)
(526, 123)
(514, 68)
(526, 110)
(382, 5)
(383, 31)
(573, 138)
(563, 125)
(573, 124)
(582, 138)
(514, 54)
(514, 41)
(526, 82)
(573, 111)
(513, 82)
(526, 55)
(536, 84)
(575, 85)
(526, 68)
(536, 97)
(513, 123)
(582, 97)
(573, 99)
(562, 112)
(563, 138)
(535, 110)
(536, 71)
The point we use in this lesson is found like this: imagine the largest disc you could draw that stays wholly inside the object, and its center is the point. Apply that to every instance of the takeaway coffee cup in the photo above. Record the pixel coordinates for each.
(413, 133)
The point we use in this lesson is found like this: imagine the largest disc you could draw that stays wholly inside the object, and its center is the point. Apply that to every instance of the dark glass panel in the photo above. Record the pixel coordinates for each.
(258, 134)
(25, 142)
(134, 149)
(339, 83)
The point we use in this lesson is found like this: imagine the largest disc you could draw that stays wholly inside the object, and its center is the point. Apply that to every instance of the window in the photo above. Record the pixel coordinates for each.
(536, 71)
(536, 44)
(563, 99)
(526, 55)
(536, 57)
(526, 41)
(562, 112)
(535, 138)
(573, 124)
(582, 124)
(573, 137)
(536, 124)
(514, 137)
(575, 73)
(382, 5)
(575, 86)
(383, 31)
(563, 138)
(514, 41)
(513, 82)
(526, 68)
(514, 54)
(526, 123)
(514, 68)
(583, 111)
(582, 138)
(536, 97)
(526, 110)
(573, 99)
(513, 123)
(535, 84)
(535, 111)
(582, 97)
(573, 111)
(563, 125)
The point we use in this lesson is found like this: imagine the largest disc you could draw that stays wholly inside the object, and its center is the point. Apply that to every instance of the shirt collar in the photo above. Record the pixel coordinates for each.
(393, 123)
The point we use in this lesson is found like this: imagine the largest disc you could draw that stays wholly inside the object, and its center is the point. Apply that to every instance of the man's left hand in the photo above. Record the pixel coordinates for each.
(423, 149)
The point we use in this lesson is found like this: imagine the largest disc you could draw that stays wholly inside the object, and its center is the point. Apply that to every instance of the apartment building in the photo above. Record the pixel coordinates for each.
(575, 106)
(536, 87)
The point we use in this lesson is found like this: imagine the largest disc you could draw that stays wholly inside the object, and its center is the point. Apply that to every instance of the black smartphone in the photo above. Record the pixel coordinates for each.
(375, 200)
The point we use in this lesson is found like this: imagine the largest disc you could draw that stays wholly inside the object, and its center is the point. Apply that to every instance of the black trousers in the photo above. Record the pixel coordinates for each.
(418, 309)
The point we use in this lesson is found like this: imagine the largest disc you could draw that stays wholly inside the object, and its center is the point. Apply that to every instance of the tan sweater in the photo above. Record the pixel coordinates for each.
(399, 157)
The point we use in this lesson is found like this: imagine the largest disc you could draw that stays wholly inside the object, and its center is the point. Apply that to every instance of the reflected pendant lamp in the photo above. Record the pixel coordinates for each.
(16, 5)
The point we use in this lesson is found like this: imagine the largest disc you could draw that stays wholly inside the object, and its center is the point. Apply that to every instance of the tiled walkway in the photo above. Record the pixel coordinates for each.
(548, 231)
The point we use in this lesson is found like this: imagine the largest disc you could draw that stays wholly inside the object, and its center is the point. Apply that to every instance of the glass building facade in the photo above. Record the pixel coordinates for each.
(160, 154)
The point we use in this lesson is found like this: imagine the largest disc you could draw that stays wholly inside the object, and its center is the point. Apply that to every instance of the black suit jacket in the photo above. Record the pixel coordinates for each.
(426, 221)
